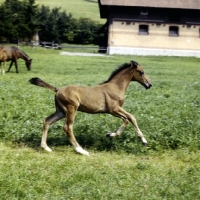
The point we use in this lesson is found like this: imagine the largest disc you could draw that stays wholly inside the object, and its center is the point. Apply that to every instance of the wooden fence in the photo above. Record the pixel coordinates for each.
(52, 45)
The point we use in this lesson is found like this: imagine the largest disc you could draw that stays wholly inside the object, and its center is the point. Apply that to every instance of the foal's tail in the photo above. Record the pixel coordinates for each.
(41, 83)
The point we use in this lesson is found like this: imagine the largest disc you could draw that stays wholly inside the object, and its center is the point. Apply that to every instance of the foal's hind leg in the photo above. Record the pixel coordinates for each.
(47, 122)
(3, 67)
(68, 128)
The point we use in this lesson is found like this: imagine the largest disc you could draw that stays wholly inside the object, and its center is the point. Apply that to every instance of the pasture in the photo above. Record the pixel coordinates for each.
(78, 8)
(119, 168)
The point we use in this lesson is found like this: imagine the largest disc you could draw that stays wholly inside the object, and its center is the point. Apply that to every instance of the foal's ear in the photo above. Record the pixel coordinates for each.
(134, 64)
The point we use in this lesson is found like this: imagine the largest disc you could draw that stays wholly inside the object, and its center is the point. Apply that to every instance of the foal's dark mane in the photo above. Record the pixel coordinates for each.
(14, 48)
(116, 71)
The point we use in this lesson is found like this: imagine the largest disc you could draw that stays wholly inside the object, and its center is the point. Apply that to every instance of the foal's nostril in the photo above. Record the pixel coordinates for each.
(148, 86)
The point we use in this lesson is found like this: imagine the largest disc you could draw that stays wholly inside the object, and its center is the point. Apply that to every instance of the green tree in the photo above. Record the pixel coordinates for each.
(54, 24)
(85, 31)
(30, 22)
(9, 19)
(18, 19)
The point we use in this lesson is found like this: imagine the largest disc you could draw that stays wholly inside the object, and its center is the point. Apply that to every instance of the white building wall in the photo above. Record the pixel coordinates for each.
(124, 38)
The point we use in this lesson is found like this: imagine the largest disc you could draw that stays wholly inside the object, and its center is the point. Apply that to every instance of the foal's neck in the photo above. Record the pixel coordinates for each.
(22, 55)
(122, 80)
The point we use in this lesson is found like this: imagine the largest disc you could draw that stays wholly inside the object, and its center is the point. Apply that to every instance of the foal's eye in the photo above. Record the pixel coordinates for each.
(141, 73)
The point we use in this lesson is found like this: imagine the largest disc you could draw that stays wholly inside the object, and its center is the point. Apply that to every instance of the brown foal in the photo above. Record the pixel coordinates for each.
(13, 54)
(108, 97)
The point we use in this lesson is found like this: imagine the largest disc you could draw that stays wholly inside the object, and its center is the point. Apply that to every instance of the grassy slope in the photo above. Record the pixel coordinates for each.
(78, 8)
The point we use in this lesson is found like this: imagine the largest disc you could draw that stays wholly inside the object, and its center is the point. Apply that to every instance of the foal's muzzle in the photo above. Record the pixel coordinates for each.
(148, 86)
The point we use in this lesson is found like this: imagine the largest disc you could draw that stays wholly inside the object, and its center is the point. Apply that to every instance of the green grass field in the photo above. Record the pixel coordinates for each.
(121, 168)
(30, 174)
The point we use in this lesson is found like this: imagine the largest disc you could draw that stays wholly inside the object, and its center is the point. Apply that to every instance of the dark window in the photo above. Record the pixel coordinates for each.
(144, 11)
(174, 16)
(143, 29)
(173, 31)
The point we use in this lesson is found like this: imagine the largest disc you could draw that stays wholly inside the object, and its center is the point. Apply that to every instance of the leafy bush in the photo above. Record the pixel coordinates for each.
(83, 31)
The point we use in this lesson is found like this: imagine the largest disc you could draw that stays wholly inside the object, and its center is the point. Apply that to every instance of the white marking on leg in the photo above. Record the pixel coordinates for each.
(46, 147)
(111, 134)
(81, 151)
(144, 140)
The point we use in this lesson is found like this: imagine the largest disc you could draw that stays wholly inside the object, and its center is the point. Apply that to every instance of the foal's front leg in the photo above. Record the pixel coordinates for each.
(11, 63)
(16, 66)
(120, 130)
(120, 112)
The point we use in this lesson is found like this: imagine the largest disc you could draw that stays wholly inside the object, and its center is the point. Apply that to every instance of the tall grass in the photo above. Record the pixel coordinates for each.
(118, 168)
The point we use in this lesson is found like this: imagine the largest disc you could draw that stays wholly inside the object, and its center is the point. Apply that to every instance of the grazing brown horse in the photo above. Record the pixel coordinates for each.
(13, 53)
(108, 97)
(3, 58)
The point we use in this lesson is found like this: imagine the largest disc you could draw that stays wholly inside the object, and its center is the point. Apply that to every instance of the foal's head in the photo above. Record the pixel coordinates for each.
(28, 64)
(139, 75)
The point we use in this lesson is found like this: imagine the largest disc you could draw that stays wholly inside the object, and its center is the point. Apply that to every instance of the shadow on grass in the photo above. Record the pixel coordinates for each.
(86, 141)
(91, 1)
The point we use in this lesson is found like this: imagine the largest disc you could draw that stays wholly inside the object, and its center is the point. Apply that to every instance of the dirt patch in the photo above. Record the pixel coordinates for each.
(80, 54)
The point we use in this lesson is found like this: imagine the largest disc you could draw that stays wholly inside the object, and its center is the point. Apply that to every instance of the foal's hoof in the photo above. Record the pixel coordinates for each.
(81, 151)
(47, 148)
(144, 142)
(110, 134)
